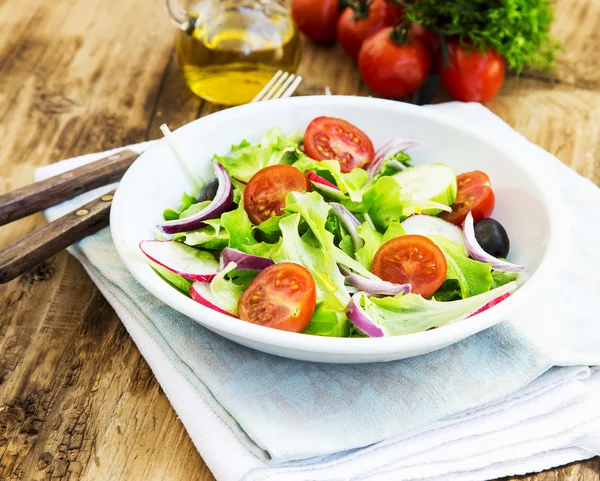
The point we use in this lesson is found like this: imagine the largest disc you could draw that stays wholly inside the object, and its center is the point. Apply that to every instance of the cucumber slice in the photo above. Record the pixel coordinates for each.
(428, 225)
(427, 186)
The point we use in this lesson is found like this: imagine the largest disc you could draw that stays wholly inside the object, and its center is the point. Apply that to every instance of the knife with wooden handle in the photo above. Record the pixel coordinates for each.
(49, 240)
(41, 195)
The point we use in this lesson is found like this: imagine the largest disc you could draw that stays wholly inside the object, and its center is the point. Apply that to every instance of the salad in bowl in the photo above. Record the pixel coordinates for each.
(321, 232)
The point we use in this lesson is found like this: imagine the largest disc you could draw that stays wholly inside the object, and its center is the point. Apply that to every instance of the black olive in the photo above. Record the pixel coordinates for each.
(492, 237)
(208, 191)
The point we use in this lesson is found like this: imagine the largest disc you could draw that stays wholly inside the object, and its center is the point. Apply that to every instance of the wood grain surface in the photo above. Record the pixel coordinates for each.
(77, 401)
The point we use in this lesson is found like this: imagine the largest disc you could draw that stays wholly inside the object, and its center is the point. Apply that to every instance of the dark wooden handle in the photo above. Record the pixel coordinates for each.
(52, 238)
(40, 195)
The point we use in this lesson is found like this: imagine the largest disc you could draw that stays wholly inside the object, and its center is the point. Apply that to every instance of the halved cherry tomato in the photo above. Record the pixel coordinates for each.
(358, 23)
(414, 260)
(317, 19)
(264, 196)
(474, 194)
(331, 138)
(282, 296)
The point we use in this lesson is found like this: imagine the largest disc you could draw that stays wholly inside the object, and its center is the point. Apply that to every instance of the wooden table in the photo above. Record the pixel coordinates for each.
(77, 401)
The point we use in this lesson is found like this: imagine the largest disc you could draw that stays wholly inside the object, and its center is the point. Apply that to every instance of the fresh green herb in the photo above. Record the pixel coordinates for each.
(518, 29)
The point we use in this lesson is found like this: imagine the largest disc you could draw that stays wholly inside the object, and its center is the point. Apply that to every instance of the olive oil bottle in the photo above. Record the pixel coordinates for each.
(229, 49)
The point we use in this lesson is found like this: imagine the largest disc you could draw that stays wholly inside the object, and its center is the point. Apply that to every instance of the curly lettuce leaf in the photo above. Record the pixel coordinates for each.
(350, 183)
(387, 170)
(186, 202)
(326, 322)
(473, 277)
(502, 278)
(240, 228)
(373, 242)
(212, 236)
(410, 313)
(194, 209)
(244, 159)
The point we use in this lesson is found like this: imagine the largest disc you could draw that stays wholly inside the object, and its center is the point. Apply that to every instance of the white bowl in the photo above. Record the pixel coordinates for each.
(526, 205)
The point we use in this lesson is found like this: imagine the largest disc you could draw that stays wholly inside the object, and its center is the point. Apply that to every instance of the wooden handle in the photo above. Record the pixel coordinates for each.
(40, 195)
(49, 240)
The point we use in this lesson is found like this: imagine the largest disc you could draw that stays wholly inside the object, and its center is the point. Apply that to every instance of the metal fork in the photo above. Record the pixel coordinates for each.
(281, 86)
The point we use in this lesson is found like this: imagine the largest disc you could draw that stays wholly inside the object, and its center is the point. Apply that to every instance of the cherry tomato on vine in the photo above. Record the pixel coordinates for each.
(474, 194)
(414, 260)
(330, 138)
(472, 76)
(265, 193)
(359, 22)
(282, 296)
(393, 64)
(317, 19)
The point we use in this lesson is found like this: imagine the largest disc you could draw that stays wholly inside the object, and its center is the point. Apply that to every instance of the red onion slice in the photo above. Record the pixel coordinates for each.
(200, 292)
(374, 287)
(394, 146)
(477, 252)
(359, 318)
(492, 303)
(218, 206)
(244, 261)
(324, 185)
(180, 259)
(350, 223)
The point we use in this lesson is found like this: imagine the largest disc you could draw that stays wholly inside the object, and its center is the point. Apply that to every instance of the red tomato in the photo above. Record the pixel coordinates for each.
(393, 12)
(430, 39)
(282, 296)
(264, 195)
(331, 138)
(393, 70)
(472, 76)
(317, 19)
(354, 26)
(414, 260)
(474, 194)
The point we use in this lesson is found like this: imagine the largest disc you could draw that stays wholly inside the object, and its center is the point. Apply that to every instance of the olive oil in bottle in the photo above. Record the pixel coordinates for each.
(233, 48)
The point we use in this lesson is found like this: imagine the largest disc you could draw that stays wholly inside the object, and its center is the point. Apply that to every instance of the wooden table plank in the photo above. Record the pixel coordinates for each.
(77, 401)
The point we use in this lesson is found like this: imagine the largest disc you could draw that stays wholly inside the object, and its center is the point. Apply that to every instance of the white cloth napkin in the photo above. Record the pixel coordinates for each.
(502, 424)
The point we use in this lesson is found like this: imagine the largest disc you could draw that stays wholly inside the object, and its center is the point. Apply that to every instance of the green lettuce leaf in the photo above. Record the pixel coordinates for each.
(225, 291)
(386, 170)
(326, 322)
(186, 201)
(347, 245)
(473, 277)
(410, 313)
(212, 236)
(350, 183)
(373, 242)
(244, 160)
(237, 223)
(394, 229)
(502, 278)
(194, 209)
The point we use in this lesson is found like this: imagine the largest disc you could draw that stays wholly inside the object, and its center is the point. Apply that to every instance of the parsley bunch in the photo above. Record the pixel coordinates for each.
(518, 29)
